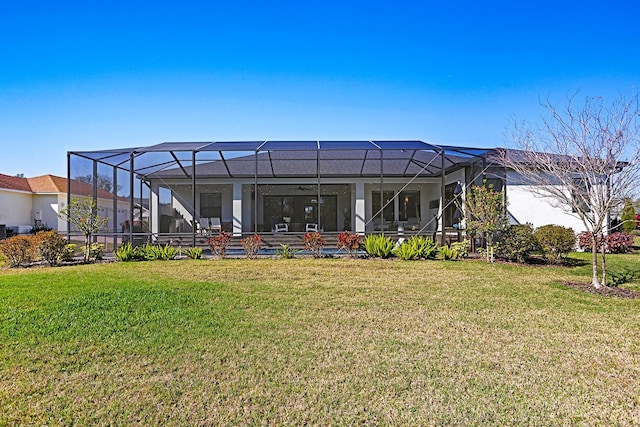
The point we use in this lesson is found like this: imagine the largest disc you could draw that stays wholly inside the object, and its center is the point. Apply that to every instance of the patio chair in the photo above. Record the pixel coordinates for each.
(311, 227)
(215, 225)
(281, 227)
(203, 225)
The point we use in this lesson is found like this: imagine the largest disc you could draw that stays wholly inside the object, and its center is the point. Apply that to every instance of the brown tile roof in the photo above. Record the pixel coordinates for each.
(14, 183)
(49, 184)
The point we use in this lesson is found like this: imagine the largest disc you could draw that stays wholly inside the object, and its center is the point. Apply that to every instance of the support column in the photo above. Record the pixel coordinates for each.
(360, 209)
(154, 208)
(237, 209)
(442, 200)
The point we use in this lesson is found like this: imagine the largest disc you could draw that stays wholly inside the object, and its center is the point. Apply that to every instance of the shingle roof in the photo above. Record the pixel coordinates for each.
(48, 184)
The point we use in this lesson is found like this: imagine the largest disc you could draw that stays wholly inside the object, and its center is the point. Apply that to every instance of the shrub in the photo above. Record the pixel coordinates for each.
(619, 242)
(50, 246)
(407, 250)
(449, 253)
(286, 251)
(219, 243)
(193, 253)
(251, 245)
(314, 242)
(426, 246)
(125, 252)
(463, 248)
(585, 241)
(628, 216)
(378, 245)
(96, 252)
(626, 275)
(68, 253)
(516, 243)
(415, 248)
(556, 241)
(168, 252)
(615, 243)
(350, 242)
(147, 252)
(16, 250)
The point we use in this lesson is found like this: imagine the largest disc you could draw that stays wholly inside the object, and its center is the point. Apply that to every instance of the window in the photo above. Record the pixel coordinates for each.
(409, 205)
(580, 194)
(376, 205)
(210, 205)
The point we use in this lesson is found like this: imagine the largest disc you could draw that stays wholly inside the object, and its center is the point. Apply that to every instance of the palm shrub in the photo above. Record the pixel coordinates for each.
(168, 252)
(285, 251)
(426, 246)
(407, 251)
(449, 253)
(415, 248)
(193, 253)
(378, 245)
(556, 241)
(125, 252)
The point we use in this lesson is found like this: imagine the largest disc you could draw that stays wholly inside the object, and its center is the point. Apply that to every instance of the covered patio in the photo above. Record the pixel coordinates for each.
(184, 191)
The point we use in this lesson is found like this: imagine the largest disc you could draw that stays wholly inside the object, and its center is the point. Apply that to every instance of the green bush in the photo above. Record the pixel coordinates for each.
(286, 251)
(378, 245)
(449, 253)
(125, 252)
(556, 241)
(407, 251)
(415, 248)
(96, 252)
(193, 253)
(463, 248)
(168, 252)
(50, 246)
(17, 250)
(426, 246)
(516, 243)
(68, 253)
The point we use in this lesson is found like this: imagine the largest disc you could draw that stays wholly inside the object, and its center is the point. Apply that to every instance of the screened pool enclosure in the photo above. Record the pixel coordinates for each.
(188, 190)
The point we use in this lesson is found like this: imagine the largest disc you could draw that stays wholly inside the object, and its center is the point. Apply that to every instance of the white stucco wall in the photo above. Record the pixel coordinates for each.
(526, 207)
(15, 208)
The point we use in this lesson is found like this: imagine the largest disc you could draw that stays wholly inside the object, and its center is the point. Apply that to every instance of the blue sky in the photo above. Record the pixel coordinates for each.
(94, 75)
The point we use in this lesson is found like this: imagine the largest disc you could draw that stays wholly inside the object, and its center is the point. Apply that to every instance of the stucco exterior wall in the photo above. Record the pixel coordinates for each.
(15, 208)
(526, 207)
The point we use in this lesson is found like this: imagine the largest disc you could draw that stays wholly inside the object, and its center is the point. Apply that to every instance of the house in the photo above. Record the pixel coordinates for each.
(33, 202)
(294, 186)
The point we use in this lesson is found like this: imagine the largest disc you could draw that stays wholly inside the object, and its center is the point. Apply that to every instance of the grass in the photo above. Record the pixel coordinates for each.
(304, 341)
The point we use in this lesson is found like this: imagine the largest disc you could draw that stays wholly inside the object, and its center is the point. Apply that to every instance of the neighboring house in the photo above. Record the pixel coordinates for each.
(270, 186)
(29, 202)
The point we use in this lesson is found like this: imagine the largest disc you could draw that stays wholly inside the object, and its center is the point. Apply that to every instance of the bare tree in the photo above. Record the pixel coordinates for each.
(585, 158)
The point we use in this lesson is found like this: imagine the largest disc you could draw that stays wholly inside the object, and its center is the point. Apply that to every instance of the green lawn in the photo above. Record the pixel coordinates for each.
(304, 341)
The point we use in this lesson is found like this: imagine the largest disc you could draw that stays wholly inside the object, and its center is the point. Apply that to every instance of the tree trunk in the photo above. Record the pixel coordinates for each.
(594, 260)
(603, 251)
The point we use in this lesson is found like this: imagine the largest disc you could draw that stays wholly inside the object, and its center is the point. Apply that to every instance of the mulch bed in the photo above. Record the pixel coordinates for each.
(604, 290)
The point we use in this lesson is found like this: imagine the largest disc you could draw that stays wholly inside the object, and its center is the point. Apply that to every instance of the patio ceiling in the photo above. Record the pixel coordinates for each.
(236, 159)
